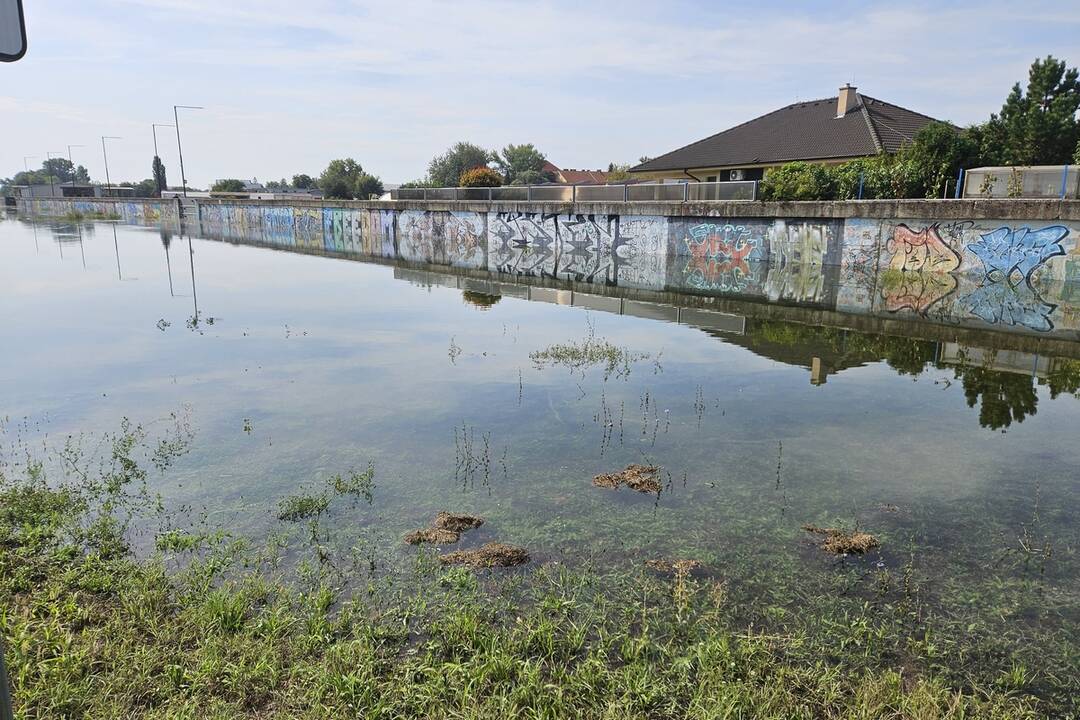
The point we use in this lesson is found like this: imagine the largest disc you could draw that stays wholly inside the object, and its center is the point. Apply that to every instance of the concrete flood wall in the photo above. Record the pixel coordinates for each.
(135, 210)
(1008, 265)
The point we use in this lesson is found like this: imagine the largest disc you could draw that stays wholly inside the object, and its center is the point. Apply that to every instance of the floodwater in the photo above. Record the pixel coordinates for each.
(291, 367)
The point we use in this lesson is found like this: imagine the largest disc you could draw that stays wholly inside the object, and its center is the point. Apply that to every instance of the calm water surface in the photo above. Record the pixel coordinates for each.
(297, 367)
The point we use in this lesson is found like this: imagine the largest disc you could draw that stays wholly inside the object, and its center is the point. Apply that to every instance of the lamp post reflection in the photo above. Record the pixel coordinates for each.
(166, 240)
(194, 296)
(116, 247)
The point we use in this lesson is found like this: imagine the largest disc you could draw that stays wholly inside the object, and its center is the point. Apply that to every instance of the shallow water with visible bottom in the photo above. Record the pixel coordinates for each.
(290, 368)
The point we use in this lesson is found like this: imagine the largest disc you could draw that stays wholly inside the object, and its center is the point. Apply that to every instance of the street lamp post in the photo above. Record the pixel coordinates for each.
(105, 154)
(72, 163)
(179, 149)
(52, 185)
(155, 126)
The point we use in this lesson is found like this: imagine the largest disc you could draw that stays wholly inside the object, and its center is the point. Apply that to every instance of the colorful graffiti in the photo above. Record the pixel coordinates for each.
(915, 290)
(720, 257)
(1017, 276)
(1013, 255)
(1001, 303)
(922, 251)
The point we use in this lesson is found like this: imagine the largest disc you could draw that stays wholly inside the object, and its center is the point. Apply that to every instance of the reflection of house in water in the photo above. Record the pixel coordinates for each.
(708, 320)
(822, 350)
(1010, 361)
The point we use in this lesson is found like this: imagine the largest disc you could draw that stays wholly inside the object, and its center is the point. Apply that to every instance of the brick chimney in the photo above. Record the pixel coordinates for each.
(847, 100)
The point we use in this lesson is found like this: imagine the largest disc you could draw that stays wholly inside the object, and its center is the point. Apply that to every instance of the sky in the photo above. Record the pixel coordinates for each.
(289, 85)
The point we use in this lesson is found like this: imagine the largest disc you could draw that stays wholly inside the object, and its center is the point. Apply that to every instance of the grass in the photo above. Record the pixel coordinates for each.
(209, 626)
(592, 351)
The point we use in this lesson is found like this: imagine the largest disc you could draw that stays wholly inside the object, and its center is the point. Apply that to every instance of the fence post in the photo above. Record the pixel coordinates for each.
(573, 193)
(626, 192)
(862, 176)
(686, 192)
(528, 192)
(423, 194)
(489, 194)
(1064, 180)
(959, 183)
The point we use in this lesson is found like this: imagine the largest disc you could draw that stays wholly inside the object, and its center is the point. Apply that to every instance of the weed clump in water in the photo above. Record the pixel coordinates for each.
(433, 535)
(490, 555)
(844, 542)
(642, 478)
(447, 529)
(591, 351)
(302, 507)
(678, 567)
(457, 523)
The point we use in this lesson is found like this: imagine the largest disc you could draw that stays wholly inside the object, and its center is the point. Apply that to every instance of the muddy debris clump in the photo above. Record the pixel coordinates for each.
(457, 523)
(844, 542)
(433, 535)
(446, 530)
(490, 555)
(678, 567)
(642, 478)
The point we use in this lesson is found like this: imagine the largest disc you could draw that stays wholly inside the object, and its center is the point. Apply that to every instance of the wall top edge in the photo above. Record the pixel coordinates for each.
(965, 209)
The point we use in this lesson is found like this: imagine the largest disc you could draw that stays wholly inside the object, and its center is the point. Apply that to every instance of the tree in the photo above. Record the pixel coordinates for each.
(516, 160)
(480, 177)
(367, 185)
(338, 180)
(444, 170)
(938, 151)
(146, 188)
(346, 179)
(617, 172)
(1038, 127)
(63, 171)
(303, 182)
(228, 185)
(160, 183)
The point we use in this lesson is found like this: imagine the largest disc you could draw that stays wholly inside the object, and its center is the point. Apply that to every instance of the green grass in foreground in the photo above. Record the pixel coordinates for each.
(209, 627)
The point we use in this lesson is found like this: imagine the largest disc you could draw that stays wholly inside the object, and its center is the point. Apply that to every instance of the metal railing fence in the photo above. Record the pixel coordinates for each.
(642, 192)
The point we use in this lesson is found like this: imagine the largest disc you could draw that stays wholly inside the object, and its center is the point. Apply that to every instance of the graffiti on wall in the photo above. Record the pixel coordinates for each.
(604, 249)
(922, 251)
(1015, 276)
(522, 243)
(1000, 303)
(1013, 255)
(719, 256)
(443, 237)
(798, 252)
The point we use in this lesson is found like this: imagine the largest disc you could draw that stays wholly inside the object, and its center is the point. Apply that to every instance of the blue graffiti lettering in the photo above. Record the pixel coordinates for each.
(1013, 255)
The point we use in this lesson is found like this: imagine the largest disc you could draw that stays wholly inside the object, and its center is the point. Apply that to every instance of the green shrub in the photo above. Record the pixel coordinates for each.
(480, 176)
(798, 181)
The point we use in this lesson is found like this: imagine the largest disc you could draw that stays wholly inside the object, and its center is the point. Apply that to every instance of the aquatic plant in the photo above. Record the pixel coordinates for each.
(591, 351)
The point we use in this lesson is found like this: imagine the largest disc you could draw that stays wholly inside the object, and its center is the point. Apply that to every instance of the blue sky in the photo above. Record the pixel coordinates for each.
(289, 85)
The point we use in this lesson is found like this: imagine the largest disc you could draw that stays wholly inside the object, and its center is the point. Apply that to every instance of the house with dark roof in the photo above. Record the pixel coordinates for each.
(571, 176)
(832, 130)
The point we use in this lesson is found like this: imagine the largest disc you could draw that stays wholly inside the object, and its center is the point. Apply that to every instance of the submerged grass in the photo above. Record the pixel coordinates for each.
(209, 627)
(590, 352)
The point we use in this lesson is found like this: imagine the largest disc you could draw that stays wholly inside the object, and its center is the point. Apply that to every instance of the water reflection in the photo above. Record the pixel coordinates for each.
(1001, 382)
